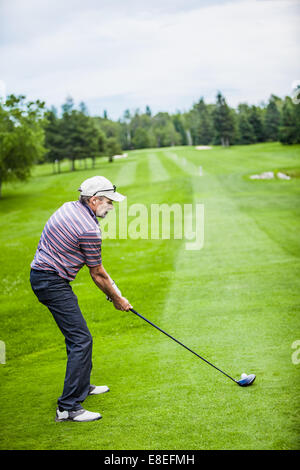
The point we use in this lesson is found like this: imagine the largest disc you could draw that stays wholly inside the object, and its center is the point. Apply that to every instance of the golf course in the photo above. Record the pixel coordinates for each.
(235, 302)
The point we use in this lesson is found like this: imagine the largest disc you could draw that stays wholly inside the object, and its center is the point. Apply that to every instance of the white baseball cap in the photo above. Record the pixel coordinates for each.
(100, 186)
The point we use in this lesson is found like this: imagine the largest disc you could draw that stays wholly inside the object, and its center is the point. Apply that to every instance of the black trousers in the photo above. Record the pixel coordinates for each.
(57, 294)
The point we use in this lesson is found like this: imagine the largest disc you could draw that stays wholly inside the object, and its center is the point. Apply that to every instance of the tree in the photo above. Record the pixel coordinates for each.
(140, 120)
(256, 121)
(54, 140)
(203, 130)
(127, 115)
(109, 127)
(68, 129)
(113, 133)
(190, 130)
(93, 139)
(141, 138)
(148, 111)
(125, 136)
(164, 131)
(223, 122)
(288, 129)
(82, 138)
(112, 148)
(179, 124)
(296, 114)
(141, 131)
(21, 137)
(272, 120)
(83, 109)
(101, 142)
(246, 134)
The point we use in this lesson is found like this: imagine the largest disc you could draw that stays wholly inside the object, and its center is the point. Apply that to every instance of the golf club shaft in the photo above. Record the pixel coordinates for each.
(181, 344)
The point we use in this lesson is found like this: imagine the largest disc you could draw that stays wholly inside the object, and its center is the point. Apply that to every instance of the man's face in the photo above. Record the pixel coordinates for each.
(102, 207)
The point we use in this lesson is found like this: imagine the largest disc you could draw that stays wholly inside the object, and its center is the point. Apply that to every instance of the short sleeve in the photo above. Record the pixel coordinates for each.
(90, 246)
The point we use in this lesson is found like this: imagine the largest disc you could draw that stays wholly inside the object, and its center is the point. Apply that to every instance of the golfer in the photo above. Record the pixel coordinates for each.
(71, 239)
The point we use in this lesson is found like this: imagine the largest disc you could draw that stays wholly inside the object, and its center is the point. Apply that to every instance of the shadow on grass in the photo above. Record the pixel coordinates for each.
(64, 171)
(18, 189)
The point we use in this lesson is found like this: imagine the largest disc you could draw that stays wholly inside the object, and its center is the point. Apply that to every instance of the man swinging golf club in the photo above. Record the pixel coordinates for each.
(71, 239)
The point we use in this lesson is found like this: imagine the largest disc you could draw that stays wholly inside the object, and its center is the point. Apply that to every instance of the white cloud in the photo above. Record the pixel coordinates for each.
(2, 90)
(247, 49)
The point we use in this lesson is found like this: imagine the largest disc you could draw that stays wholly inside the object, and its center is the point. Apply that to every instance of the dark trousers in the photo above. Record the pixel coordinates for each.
(57, 294)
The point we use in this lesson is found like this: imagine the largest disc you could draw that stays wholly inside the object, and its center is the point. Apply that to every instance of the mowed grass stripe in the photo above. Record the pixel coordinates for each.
(158, 172)
(143, 177)
(126, 172)
(170, 166)
(184, 164)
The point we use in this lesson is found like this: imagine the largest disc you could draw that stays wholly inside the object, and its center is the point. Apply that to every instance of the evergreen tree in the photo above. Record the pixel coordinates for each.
(81, 138)
(148, 111)
(125, 136)
(272, 120)
(205, 130)
(288, 126)
(246, 132)
(93, 139)
(54, 140)
(67, 131)
(190, 119)
(256, 121)
(223, 122)
(296, 113)
(178, 121)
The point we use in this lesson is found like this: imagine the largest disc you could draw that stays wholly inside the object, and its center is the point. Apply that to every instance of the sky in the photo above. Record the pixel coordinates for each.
(167, 54)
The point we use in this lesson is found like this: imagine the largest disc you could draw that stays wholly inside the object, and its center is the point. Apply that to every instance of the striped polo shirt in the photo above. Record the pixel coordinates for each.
(71, 238)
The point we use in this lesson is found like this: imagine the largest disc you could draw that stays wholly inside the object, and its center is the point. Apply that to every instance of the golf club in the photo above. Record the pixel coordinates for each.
(244, 382)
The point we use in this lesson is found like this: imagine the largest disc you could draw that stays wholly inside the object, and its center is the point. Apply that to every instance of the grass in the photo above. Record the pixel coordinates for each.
(236, 302)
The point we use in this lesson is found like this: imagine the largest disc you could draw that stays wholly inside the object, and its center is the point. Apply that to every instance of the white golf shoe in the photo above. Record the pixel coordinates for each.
(79, 416)
(98, 389)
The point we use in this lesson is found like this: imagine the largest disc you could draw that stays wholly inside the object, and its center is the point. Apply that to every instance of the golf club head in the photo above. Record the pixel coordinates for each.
(246, 381)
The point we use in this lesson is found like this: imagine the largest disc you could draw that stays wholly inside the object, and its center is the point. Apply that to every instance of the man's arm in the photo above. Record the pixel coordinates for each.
(102, 279)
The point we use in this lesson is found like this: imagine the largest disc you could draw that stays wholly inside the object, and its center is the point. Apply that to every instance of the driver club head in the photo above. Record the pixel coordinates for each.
(245, 382)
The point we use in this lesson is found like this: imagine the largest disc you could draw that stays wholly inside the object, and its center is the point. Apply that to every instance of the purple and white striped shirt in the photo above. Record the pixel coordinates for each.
(71, 238)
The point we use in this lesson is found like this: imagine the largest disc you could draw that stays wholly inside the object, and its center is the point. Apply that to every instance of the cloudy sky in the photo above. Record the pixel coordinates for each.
(119, 54)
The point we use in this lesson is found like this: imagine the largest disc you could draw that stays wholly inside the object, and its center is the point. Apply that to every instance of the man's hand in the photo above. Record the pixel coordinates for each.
(122, 304)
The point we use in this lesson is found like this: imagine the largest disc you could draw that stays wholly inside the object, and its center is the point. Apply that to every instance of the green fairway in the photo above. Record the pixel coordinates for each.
(235, 302)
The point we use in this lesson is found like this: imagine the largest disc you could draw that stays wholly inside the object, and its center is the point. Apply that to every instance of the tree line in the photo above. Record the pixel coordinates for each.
(30, 133)
(213, 124)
